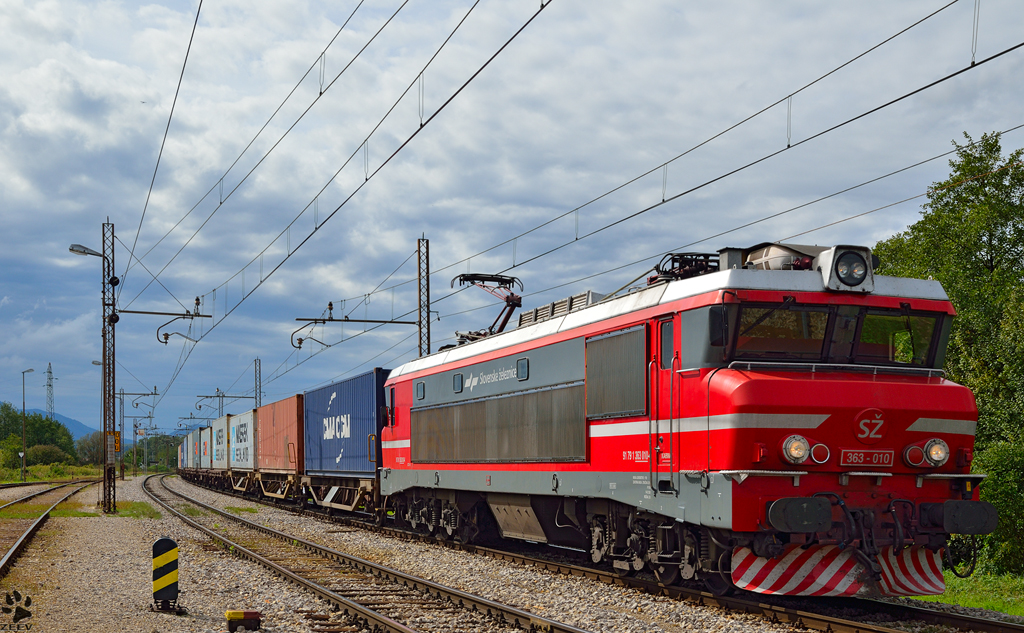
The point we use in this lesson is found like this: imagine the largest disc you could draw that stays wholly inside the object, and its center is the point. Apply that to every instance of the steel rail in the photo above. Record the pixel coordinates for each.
(772, 612)
(24, 484)
(31, 496)
(12, 554)
(511, 615)
(376, 621)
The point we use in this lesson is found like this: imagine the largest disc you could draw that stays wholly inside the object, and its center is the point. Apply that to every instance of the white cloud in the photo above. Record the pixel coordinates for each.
(590, 95)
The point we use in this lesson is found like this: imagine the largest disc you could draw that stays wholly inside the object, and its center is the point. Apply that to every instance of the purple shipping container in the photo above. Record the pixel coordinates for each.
(341, 432)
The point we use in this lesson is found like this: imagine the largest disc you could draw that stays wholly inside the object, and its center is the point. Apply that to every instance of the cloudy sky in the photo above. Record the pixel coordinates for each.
(589, 96)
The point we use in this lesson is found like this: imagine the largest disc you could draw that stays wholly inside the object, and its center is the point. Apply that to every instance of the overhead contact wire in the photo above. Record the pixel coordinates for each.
(769, 156)
(235, 162)
(274, 146)
(386, 161)
(167, 129)
(688, 151)
(374, 173)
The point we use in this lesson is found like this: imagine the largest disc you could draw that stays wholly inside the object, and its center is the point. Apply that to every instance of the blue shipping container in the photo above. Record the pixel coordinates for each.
(341, 426)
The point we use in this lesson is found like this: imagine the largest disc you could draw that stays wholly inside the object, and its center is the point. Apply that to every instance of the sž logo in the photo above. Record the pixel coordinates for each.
(13, 604)
(870, 427)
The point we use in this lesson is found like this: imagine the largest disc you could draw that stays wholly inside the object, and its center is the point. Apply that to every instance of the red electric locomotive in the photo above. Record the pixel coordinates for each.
(772, 419)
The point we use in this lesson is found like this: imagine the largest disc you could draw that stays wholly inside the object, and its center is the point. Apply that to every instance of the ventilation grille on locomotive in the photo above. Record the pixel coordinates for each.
(616, 374)
(536, 426)
(559, 308)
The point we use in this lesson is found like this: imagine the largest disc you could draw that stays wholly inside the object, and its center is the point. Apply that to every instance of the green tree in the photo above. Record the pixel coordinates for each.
(9, 449)
(971, 239)
(1004, 488)
(46, 454)
(38, 429)
(90, 448)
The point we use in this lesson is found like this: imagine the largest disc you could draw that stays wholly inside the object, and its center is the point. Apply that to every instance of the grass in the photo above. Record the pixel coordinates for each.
(46, 472)
(137, 509)
(237, 510)
(24, 511)
(192, 511)
(70, 511)
(998, 593)
(35, 510)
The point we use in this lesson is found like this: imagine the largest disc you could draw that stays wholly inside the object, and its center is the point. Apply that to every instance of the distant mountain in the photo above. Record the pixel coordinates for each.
(77, 428)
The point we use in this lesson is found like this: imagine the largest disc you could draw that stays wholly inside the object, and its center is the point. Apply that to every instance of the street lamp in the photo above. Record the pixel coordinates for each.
(24, 449)
(78, 249)
(110, 318)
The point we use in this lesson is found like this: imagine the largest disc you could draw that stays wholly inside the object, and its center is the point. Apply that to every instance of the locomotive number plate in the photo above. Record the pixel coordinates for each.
(848, 457)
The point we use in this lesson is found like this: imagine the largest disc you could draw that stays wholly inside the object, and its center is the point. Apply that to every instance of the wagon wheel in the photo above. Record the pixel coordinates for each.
(667, 574)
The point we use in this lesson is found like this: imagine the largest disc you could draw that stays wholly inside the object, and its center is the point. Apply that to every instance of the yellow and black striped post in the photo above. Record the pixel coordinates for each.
(165, 575)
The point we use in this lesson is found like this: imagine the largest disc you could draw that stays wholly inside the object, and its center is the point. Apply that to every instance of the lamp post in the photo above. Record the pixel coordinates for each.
(110, 317)
(99, 364)
(24, 449)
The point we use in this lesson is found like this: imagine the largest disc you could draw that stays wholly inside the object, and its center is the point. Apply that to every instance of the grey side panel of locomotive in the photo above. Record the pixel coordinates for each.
(713, 508)
(547, 366)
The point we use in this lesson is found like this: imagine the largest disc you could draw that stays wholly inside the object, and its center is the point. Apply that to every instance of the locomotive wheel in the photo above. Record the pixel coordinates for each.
(633, 565)
(452, 521)
(720, 582)
(433, 520)
(666, 574)
(718, 585)
(598, 543)
(635, 551)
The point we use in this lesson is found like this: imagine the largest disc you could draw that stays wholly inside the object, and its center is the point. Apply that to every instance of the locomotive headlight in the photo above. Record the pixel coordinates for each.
(936, 452)
(796, 449)
(851, 268)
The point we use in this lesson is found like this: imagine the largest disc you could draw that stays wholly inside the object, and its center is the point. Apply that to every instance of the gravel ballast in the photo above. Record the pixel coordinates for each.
(586, 604)
(95, 574)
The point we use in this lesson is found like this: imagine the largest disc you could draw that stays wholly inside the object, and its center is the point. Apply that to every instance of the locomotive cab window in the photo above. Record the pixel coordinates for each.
(421, 390)
(840, 334)
(668, 344)
(781, 331)
(892, 337)
(523, 369)
(457, 383)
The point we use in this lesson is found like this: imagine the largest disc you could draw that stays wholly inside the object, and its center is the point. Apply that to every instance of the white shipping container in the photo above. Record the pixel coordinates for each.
(243, 440)
(219, 430)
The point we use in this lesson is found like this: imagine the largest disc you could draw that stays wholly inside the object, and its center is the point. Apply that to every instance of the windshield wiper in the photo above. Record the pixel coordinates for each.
(761, 319)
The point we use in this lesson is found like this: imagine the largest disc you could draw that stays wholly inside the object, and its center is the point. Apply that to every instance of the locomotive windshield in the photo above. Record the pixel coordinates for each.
(835, 334)
(782, 331)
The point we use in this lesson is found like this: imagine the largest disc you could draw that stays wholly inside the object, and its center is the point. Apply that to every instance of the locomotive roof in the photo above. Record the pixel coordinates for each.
(730, 279)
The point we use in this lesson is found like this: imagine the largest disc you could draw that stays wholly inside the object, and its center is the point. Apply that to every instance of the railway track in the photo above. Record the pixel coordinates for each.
(367, 594)
(801, 612)
(17, 532)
